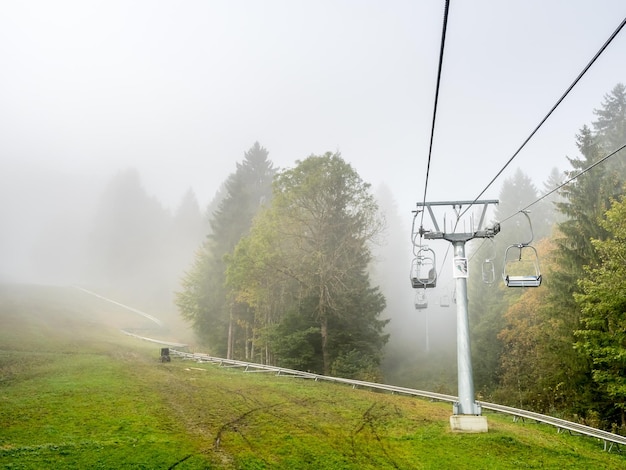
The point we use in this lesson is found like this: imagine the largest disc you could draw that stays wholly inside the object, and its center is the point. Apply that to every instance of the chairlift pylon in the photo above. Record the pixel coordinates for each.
(423, 271)
(520, 271)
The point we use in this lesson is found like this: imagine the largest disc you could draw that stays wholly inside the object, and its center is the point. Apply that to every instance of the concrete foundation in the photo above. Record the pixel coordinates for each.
(468, 423)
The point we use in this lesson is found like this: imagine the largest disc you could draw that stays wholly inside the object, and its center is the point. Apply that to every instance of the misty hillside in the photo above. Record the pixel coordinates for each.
(78, 393)
(255, 174)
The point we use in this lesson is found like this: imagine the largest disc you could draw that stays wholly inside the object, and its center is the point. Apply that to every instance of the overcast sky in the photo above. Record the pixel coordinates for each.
(180, 90)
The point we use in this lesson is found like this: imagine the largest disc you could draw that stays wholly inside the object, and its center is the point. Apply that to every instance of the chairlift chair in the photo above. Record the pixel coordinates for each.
(522, 271)
(488, 267)
(533, 279)
(444, 301)
(423, 272)
(421, 302)
(489, 271)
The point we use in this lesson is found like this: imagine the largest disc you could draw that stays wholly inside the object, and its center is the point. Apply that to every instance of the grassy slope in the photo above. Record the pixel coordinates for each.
(75, 393)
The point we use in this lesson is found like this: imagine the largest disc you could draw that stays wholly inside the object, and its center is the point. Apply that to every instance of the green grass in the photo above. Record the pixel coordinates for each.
(76, 393)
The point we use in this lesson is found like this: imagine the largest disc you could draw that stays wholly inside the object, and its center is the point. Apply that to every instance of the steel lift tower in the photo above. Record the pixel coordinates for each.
(467, 414)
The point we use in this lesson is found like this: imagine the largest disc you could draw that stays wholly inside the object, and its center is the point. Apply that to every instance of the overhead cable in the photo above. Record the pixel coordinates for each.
(582, 172)
(602, 160)
(432, 130)
(580, 75)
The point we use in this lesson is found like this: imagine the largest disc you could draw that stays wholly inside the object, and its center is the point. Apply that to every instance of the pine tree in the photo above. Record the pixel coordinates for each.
(204, 299)
(585, 201)
(610, 124)
(602, 300)
(582, 206)
(187, 233)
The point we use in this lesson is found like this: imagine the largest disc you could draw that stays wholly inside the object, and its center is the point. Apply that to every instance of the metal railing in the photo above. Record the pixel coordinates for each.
(609, 439)
(152, 340)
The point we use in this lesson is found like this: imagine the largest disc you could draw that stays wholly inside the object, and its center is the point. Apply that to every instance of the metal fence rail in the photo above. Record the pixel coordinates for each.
(152, 340)
(609, 439)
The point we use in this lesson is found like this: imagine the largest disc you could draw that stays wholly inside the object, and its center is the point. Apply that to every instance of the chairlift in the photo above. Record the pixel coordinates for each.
(488, 267)
(489, 271)
(444, 301)
(521, 263)
(421, 302)
(423, 272)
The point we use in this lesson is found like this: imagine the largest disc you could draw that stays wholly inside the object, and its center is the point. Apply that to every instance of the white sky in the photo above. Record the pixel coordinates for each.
(180, 90)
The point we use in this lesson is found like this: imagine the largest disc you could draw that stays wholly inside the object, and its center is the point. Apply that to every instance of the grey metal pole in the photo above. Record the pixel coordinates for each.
(466, 405)
(466, 412)
(427, 334)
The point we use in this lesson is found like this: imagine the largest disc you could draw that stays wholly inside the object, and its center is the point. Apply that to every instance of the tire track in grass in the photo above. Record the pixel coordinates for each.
(232, 424)
(369, 421)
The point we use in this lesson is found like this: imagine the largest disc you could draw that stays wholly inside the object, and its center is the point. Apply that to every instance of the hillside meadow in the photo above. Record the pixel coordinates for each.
(77, 393)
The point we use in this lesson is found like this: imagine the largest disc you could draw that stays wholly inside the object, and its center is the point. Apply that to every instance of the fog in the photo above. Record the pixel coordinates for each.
(177, 92)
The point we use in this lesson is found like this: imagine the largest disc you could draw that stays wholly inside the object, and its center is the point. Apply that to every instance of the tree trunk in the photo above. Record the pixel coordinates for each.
(324, 332)
(249, 345)
(229, 346)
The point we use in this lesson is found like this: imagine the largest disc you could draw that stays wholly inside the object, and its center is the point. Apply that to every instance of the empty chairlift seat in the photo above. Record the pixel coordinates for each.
(521, 263)
(421, 302)
(522, 271)
(423, 272)
(523, 281)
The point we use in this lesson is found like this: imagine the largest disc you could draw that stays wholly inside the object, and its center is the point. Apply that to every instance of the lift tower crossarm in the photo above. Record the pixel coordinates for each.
(437, 234)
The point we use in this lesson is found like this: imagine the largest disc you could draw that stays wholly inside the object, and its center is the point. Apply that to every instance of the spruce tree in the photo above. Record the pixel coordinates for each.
(204, 299)
(585, 201)
(602, 300)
